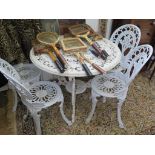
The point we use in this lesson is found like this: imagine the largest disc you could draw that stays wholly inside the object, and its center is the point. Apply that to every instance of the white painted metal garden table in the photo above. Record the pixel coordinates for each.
(75, 69)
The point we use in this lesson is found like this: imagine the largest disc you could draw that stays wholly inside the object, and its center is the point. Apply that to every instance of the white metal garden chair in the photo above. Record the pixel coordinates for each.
(35, 97)
(115, 84)
(126, 37)
(28, 73)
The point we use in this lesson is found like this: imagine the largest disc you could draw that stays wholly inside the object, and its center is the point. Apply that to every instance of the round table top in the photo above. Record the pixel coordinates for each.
(75, 69)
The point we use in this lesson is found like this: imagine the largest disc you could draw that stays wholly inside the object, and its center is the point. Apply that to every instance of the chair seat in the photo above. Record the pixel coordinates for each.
(108, 85)
(28, 72)
(45, 93)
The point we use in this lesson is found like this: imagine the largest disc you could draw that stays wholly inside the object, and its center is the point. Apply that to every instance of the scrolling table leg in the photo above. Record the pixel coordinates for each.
(73, 99)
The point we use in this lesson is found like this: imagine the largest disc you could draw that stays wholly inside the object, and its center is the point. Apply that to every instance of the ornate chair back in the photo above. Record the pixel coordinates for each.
(135, 60)
(14, 78)
(126, 37)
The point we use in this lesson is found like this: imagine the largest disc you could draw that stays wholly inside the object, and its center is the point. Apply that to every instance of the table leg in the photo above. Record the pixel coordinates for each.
(73, 99)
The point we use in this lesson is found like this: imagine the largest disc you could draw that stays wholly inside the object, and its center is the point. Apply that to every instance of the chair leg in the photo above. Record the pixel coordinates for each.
(36, 119)
(63, 114)
(15, 100)
(119, 106)
(94, 101)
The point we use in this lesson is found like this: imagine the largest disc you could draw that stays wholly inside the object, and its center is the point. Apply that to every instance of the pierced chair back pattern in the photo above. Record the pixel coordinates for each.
(135, 60)
(14, 78)
(126, 38)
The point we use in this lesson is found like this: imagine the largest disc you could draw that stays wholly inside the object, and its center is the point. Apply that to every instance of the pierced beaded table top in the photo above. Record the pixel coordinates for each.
(75, 69)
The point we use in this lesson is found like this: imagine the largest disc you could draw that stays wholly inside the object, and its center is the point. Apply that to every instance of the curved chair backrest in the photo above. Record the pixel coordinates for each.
(126, 37)
(135, 60)
(14, 78)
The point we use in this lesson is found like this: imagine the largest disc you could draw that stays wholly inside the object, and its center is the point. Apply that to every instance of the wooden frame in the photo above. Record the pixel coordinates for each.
(48, 38)
(78, 29)
(81, 29)
(73, 45)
